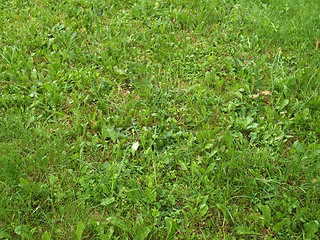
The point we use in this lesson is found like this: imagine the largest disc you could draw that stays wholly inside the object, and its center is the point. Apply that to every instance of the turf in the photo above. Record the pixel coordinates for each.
(167, 119)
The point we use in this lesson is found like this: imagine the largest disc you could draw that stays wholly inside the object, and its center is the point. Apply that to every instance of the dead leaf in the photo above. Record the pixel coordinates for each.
(266, 92)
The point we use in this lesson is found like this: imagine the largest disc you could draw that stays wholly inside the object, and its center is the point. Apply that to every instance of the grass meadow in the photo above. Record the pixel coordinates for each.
(162, 119)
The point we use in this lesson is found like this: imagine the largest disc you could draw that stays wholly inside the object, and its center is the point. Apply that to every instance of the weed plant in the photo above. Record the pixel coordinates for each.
(163, 119)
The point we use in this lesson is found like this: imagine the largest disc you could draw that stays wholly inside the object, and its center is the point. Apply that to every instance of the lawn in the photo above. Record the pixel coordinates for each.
(162, 119)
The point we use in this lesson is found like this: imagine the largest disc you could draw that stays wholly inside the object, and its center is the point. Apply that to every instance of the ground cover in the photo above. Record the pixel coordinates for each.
(169, 119)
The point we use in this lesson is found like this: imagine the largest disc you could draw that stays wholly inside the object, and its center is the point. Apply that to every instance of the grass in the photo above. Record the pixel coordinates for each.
(159, 119)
